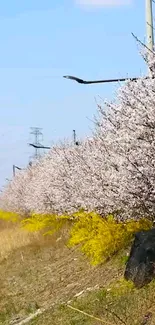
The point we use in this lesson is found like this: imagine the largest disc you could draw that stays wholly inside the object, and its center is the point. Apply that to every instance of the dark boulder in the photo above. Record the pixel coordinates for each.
(140, 267)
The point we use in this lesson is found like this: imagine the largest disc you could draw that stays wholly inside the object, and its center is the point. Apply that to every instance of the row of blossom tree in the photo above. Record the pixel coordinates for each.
(111, 172)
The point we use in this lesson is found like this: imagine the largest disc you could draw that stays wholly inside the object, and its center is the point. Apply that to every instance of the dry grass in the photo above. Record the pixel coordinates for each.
(12, 238)
(135, 307)
(40, 272)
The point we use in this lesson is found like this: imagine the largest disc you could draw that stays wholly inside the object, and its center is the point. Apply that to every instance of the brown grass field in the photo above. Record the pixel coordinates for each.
(42, 273)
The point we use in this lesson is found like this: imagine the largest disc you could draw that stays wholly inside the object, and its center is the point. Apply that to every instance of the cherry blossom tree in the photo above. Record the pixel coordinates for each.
(111, 172)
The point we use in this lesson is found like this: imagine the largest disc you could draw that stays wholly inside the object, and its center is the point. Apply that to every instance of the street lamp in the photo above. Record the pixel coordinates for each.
(14, 167)
(150, 46)
(81, 81)
(38, 146)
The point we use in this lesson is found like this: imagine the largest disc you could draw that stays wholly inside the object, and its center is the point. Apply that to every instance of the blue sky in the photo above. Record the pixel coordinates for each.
(40, 42)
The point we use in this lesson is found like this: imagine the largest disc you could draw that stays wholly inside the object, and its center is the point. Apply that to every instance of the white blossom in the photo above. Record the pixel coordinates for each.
(111, 172)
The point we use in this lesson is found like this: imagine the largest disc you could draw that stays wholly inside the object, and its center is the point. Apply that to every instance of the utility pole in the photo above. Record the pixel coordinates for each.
(36, 144)
(74, 138)
(14, 167)
(149, 25)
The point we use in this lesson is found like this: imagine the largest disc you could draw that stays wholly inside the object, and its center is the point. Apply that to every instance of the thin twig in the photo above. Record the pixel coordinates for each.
(114, 314)
(89, 315)
(139, 41)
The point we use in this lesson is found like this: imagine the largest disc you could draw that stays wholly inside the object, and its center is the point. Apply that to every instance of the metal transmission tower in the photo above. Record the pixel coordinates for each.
(38, 136)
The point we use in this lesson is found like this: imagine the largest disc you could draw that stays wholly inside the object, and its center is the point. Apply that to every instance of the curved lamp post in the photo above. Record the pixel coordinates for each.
(85, 82)
(150, 46)
(14, 167)
(38, 146)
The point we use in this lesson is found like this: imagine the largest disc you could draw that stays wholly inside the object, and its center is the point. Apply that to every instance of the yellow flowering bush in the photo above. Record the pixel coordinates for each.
(9, 216)
(101, 238)
(50, 223)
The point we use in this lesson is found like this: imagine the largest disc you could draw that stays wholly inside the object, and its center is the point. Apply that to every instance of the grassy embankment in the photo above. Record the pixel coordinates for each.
(39, 272)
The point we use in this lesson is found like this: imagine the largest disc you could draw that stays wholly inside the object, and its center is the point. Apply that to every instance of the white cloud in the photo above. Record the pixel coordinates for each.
(103, 3)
